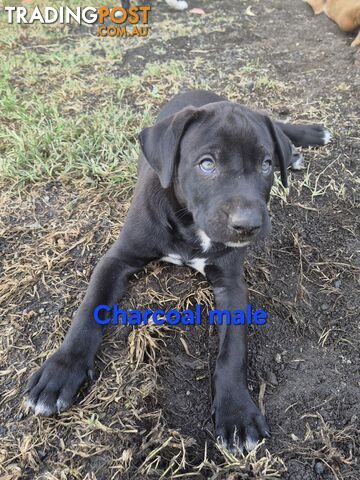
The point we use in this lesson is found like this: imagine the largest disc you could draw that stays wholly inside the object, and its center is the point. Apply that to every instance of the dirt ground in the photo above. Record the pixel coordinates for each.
(147, 415)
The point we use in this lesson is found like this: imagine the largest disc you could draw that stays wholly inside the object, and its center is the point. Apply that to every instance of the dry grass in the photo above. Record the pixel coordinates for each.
(70, 109)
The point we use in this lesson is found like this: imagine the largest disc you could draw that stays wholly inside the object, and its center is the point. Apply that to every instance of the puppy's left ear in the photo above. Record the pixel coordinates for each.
(283, 149)
(160, 144)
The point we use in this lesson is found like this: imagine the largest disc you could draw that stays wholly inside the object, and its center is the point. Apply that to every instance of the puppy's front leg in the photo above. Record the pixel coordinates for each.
(238, 422)
(53, 387)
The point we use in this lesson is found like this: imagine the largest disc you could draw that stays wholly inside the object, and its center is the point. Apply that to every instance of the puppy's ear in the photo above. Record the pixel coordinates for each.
(283, 149)
(160, 143)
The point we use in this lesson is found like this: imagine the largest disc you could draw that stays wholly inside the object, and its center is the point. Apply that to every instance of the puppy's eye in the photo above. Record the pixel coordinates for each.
(207, 165)
(266, 165)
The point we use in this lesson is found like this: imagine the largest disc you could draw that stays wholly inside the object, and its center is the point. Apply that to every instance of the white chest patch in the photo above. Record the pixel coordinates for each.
(195, 263)
(204, 240)
(172, 258)
(198, 264)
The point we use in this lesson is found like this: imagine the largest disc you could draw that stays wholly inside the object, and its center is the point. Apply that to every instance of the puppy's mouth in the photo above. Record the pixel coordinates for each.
(237, 244)
(226, 237)
(218, 229)
(224, 234)
(242, 240)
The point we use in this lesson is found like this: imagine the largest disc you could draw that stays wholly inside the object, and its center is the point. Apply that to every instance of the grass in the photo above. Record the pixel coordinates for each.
(75, 124)
(73, 131)
(87, 146)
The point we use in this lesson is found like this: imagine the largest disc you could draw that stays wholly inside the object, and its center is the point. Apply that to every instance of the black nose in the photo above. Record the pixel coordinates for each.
(245, 221)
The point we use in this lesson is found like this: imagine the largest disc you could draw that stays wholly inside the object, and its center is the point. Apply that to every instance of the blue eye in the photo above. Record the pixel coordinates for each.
(207, 165)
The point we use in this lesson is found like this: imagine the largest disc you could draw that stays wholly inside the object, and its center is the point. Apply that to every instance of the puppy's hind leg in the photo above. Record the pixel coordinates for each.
(297, 161)
(306, 135)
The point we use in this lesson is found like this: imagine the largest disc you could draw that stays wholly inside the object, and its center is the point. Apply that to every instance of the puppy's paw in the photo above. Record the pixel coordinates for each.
(317, 135)
(239, 425)
(297, 160)
(53, 387)
(326, 136)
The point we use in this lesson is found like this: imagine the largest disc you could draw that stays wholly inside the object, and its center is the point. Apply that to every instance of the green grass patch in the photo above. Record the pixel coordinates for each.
(67, 112)
(39, 142)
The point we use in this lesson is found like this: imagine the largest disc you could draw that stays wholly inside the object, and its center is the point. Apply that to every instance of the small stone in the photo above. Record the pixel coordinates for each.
(324, 306)
(41, 310)
(338, 284)
(188, 393)
(278, 358)
(42, 454)
(250, 86)
(272, 378)
(319, 468)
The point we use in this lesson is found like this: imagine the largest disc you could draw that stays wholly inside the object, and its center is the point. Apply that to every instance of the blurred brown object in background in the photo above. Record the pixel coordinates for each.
(346, 13)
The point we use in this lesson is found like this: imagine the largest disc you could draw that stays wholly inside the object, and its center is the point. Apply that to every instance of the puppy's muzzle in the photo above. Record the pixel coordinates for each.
(245, 223)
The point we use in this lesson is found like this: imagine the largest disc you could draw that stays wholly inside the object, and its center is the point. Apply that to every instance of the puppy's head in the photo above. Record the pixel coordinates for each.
(220, 160)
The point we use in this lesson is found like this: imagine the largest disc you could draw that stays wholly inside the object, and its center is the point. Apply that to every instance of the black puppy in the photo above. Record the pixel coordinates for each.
(205, 174)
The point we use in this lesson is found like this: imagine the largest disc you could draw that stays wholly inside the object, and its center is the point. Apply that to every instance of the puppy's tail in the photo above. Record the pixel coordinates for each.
(305, 135)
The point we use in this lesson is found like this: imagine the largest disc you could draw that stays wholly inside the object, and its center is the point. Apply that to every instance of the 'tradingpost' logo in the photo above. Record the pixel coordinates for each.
(137, 18)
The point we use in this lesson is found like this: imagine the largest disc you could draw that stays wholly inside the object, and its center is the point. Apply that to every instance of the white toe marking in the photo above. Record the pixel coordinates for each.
(172, 258)
(236, 244)
(220, 441)
(30, 404)
(250, 444)
(198, 264)
(204, 240)
(42, 409)
(327, 137)
(61, 405)
(299, 164)
(177, 4)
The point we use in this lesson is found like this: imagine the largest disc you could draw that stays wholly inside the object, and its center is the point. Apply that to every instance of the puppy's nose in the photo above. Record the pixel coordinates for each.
(245, 222)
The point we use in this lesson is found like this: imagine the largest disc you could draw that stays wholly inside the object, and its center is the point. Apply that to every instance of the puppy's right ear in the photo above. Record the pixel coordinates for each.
(283, 149)
(160, 143)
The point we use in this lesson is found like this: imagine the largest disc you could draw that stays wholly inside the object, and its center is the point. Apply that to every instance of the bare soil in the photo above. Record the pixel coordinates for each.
(154, 421)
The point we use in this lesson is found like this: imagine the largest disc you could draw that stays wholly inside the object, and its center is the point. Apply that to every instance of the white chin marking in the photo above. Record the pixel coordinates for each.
(177, 4)
(198, 264)
(172, 258)
(250, 444)
(236, 244)
(327, 137)
(204, 240)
